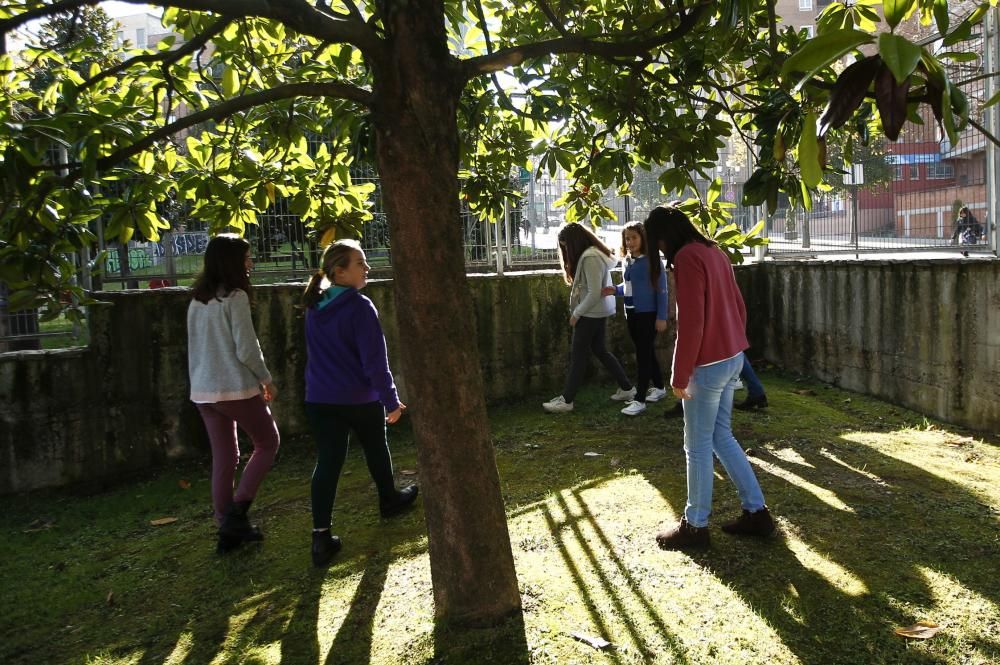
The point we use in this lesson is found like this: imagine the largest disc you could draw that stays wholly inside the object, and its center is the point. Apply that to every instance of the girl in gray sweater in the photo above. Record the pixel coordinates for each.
(587, 264)
(230, 384)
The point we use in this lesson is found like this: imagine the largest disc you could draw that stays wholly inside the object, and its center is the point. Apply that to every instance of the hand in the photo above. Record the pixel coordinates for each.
(573, 320)
(661, 325)
(268, 391)
(682, 393)
(393, 418)
(608, 291)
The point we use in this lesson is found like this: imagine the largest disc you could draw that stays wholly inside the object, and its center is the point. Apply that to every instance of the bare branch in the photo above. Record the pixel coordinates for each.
(513, 56)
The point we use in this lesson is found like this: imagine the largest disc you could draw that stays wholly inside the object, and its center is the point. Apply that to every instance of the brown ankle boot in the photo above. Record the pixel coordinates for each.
(758, 524)
(683, 536)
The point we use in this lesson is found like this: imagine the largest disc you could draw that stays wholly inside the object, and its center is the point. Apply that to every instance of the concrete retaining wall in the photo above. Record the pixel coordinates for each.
(923, 334)
(121, 405)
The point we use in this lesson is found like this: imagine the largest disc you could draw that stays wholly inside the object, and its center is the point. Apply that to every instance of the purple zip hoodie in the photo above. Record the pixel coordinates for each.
(347, 361)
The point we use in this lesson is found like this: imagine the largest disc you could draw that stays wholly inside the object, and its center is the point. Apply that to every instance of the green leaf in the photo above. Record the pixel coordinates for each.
(992, 100)
(896, 11)
(899, 54)
(941, 17)
(947, 117)
(809, 165)
(714, 190)
(230, 81)
(820, 52)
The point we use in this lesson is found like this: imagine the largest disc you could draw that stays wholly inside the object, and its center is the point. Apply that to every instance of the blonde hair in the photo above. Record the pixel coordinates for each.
(336, 255)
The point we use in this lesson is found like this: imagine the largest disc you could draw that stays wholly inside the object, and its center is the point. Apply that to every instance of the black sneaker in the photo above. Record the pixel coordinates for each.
(324, 547)
(236, 528)
(402, 502)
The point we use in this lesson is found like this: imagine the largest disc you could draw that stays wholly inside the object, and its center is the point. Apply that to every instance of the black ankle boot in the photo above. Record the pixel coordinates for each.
(754, 402)
(401, 502)
(324, 547)
(236, 528)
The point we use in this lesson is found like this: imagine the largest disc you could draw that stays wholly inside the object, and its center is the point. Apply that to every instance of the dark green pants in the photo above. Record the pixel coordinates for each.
(331, 425)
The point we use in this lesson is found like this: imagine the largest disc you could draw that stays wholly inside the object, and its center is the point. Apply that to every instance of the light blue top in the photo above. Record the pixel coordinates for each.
(643, 298)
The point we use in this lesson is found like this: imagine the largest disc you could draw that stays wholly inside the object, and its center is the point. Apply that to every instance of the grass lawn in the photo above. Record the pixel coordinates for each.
(886, 519)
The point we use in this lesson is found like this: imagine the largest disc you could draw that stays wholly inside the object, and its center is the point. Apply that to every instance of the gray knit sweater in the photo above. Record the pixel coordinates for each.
(225, 362)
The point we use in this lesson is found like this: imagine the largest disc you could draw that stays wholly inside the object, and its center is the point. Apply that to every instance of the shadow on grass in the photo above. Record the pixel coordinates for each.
(837, 573)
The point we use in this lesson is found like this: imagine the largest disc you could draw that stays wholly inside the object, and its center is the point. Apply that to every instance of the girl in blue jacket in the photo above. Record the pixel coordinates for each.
(645, 313)
(348, 388)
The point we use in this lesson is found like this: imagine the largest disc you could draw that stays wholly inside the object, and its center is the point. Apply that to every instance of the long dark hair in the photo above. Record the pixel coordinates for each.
(640, 230)
(970, 219)
(667, 230)
(224, 269)
(336, 255)
(574, 240)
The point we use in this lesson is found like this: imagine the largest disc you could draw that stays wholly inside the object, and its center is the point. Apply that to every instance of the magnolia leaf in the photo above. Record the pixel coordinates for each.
(890, 98)
(822, 51)
(184, 484)
(848, 93)
(230, 81)
(896, 11)
(941, 17)
(921, 630)
(809, 165)
(596, 642)
(899, 54)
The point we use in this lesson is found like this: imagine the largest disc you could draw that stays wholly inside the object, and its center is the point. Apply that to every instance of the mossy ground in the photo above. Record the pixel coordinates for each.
(886, 519)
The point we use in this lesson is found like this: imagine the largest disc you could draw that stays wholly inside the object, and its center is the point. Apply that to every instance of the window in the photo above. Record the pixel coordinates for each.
(810, 31)
(897, 172)
(805, 5)
(120, 37)
(940, 171)
(140, 37)
(914, 172)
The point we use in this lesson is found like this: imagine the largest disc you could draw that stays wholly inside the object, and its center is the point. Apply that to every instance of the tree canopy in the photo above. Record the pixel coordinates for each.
(446, 97)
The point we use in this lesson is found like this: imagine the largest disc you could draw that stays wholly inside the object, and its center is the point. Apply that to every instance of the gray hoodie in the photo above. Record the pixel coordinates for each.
(593, 272)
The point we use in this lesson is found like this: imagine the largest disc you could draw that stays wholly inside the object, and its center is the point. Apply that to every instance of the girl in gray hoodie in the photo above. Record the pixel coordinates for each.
(587, 264)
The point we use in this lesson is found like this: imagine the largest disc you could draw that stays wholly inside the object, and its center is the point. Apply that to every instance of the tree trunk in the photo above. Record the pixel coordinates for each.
(417, 90)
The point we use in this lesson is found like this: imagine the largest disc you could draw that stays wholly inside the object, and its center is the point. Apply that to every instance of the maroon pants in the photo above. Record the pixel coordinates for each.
(253, 416)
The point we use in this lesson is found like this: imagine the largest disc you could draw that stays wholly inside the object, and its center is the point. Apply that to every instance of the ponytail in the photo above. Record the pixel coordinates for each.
(312, 294)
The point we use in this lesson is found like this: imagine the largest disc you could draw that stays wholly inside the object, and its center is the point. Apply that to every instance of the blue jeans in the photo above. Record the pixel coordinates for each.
(754, 387)
(707, 430)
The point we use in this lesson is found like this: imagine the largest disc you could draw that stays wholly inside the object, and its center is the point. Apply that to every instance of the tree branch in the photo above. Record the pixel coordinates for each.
(556, 23)
(298, 15)
(166, 57)
(513, 56)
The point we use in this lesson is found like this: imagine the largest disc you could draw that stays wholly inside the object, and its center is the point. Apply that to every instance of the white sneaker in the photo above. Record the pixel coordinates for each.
(634, 408)
(558, 405)
(737, 383)
(655, 394)
(624, 395)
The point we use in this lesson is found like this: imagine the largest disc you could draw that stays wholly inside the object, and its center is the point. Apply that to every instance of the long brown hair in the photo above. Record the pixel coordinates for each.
(574, 240)
(667, 230)
(336, 255)
(224, 268)
(640, 230)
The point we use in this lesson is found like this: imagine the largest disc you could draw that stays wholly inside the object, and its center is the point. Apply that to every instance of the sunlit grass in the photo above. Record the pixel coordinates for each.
(884, 522)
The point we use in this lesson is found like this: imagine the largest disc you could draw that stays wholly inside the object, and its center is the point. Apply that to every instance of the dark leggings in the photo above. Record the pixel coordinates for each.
(331, 425)
(588, 337)
(642, 330)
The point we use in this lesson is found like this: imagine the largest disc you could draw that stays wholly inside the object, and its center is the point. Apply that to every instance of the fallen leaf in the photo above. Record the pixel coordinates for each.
(847, 401)
(805, 391)
(163, 520)
(596, 642)
(184, 484)
(408, 472)
(615, 462)
(921, 630)
(592, 454)
(110, 600)
(533, 446)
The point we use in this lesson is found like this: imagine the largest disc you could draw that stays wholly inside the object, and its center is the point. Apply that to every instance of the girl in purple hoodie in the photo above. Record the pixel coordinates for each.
(348, 388)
